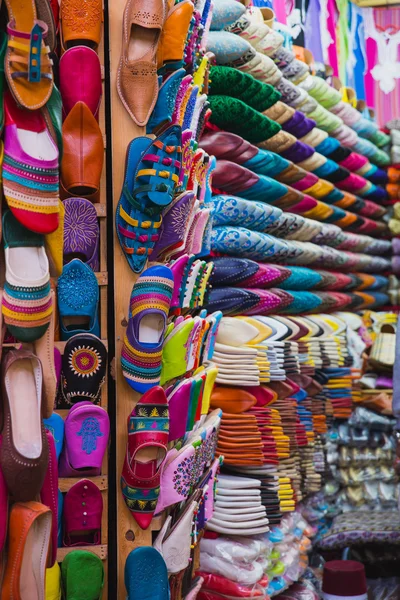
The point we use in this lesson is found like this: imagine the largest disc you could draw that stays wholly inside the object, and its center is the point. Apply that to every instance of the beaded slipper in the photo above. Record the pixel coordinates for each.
(27, 305)
(152, 175)
(78, 300)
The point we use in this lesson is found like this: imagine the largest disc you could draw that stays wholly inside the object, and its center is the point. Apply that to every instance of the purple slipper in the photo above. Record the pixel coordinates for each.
(81, 232)
(87, 428)
(174, 227)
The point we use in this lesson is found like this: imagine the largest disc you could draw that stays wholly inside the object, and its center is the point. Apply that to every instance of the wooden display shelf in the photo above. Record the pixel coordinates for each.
(66, 483)
(101, 551)
(123, 130)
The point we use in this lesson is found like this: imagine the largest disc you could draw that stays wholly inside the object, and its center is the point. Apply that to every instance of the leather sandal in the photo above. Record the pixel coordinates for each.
(28, 66)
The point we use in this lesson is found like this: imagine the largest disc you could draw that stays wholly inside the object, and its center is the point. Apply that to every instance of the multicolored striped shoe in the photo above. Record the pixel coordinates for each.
(148, 312)
(152, 176)
(27, 304)
(30, 169)
(148, 429)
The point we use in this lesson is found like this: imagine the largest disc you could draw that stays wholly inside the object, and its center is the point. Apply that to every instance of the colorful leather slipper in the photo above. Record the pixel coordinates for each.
(82, 519)
(87, 428)
(84, 366)
(78, 300)
(82, 66)
(154, 575)
(30, 79)
(53, 582)
(143, 342)
(55, 426)
(30, 168)
(24, 453)
(81, 232)
(148, 426)
(83, 154)
(81, 25)
(174, 352)
(152, 172)
(30, 527)
(27, 304)
(82, 576)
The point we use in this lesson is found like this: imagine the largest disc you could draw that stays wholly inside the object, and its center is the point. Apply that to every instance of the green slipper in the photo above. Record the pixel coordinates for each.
(82, 575)
(52, 113)
(231, 114)
(226, 81)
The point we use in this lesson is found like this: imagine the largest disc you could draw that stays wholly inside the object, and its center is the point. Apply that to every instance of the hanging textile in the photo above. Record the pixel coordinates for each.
(329, 15)
(382, 30)
(357, 61)
(343, 34)
(312, 30)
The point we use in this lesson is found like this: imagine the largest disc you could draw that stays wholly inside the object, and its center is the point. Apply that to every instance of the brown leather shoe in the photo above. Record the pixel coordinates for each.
(24, 453)
(83, 155)
(137, 80)
(29, 539)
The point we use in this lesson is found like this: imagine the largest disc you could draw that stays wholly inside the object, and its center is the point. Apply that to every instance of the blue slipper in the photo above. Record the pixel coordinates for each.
(152, 172)
(55, 425)
(78, 300)
(60, 520)
(146, 575)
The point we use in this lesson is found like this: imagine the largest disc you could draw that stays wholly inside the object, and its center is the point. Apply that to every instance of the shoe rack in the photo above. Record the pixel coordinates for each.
(129, 534)
(100, 481)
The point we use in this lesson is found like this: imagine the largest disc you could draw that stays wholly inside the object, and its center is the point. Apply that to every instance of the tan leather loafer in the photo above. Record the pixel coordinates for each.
(137, 80)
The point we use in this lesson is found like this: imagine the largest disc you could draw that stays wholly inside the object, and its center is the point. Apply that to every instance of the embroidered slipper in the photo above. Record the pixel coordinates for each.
(84, 366)
(154, 575)
(143, 342)
(28, 65)
(81, 232)
(27, 304)
(81, 24)
(30, 168)
(78, 300)
(148, 427)
(152, 173)
(82, 576)
(87, 428)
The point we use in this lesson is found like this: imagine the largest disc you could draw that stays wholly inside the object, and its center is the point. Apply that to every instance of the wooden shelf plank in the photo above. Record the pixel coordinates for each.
(101, 551)
(66, 483)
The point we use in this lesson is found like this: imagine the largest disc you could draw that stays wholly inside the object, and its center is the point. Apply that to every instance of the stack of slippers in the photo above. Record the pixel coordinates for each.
(338, 388)
(240, 441)
(238, 508)
(277, 492)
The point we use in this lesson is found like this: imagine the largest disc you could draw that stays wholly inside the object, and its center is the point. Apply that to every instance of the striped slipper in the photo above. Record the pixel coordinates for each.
(148, 312)
(30, 169)
(27, 304)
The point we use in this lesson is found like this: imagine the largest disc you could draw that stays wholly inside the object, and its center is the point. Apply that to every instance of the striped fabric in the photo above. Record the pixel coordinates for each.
(141, 361)
(26, 307)
(30, 188)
